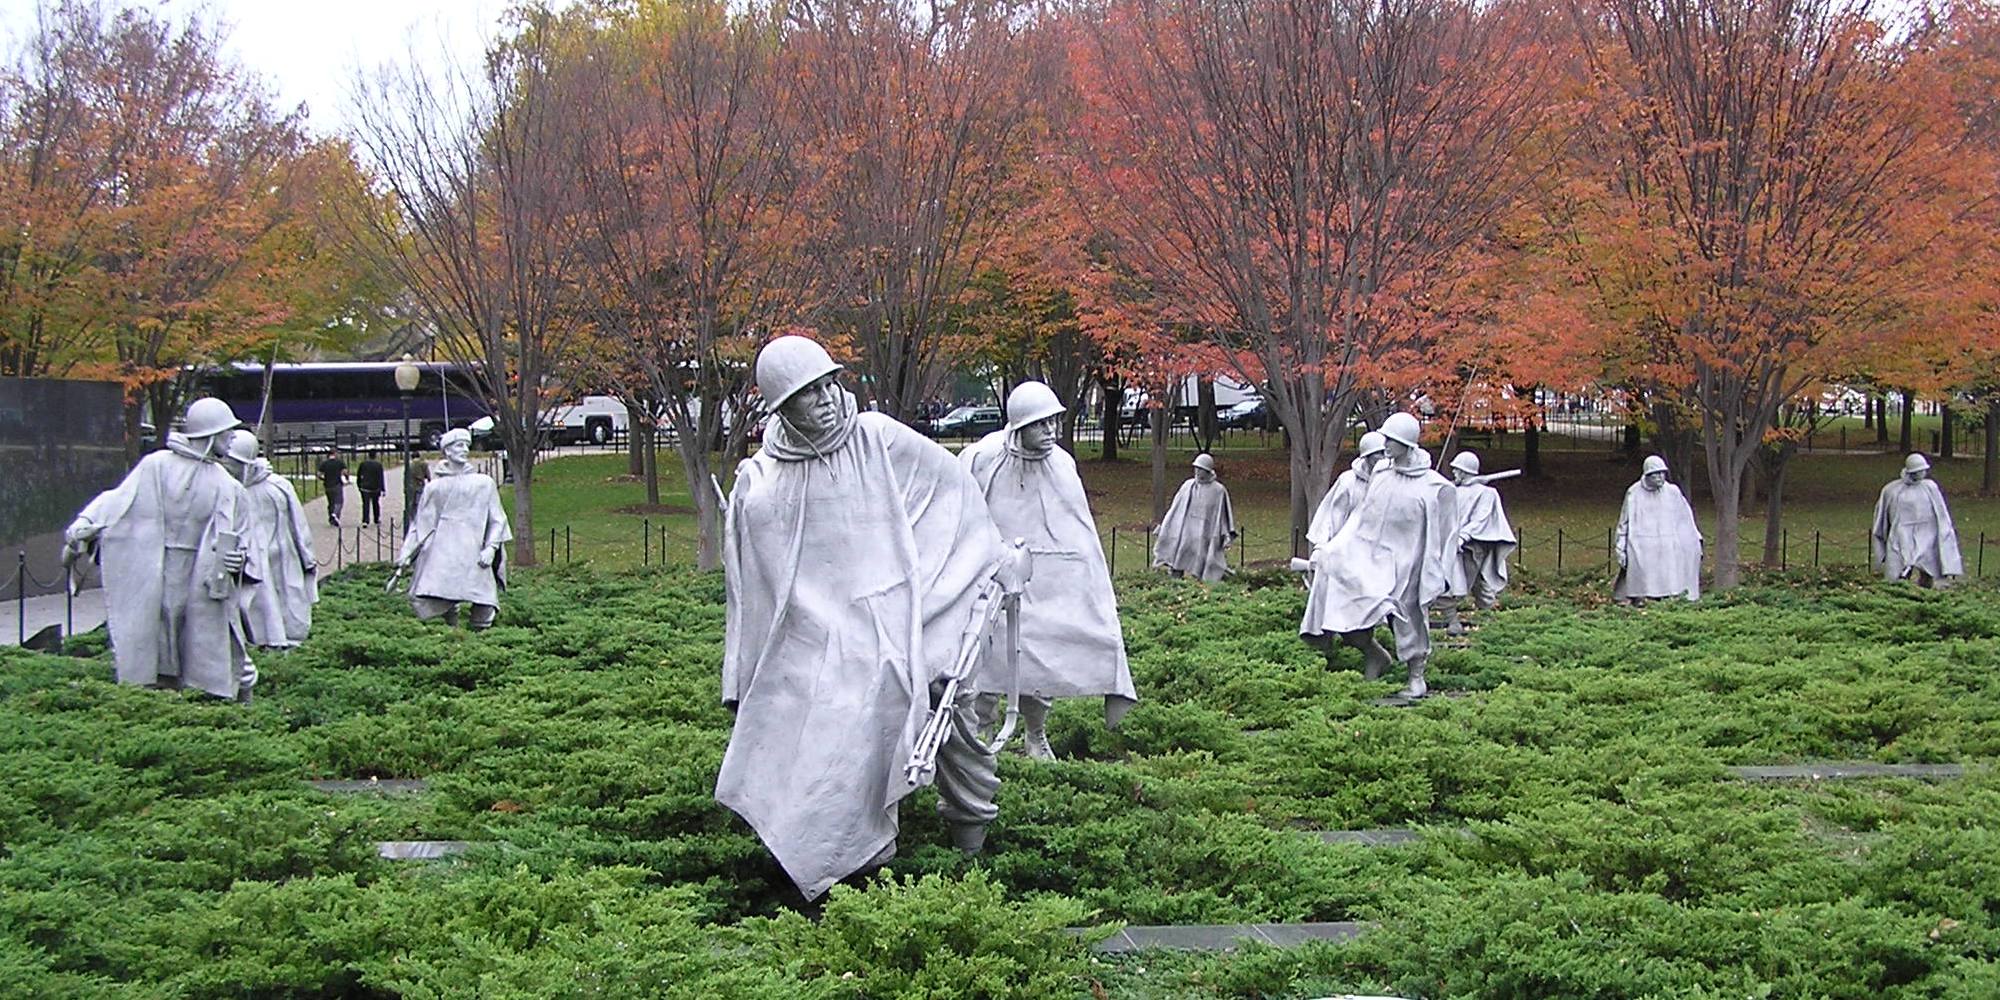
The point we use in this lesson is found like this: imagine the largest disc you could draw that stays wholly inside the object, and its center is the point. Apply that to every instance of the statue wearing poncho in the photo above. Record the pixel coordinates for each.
(853, 559)
(1485, 540)
(279, 609)
(1389, 561)
(456, 543)
(169, 539)
(1195, 534)
(1338, 505)
(1913, 535)
(1658, 546)
(1071, 643)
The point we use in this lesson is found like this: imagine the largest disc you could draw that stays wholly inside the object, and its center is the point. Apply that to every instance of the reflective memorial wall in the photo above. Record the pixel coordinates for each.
(61, 442)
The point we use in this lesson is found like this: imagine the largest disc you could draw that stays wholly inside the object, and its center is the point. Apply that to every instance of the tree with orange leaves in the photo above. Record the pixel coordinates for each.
(1773, 176)
(159, 206)
(1302, 182)
(916, 113)
(693, 188)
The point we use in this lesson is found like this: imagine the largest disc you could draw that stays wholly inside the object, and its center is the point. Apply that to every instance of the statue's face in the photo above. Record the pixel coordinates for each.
(1366, 466)
(1040, 434)
(1204, 475)
(1654, 480)
(1461, 477)
(1915, 475)
(815, 409)
(457, 450)
(1397, 451)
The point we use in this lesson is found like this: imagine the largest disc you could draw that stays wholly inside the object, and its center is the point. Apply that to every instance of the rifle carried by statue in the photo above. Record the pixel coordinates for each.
(999, 598)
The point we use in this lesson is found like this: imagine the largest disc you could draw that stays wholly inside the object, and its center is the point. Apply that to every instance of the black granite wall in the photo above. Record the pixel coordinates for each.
(61, 443)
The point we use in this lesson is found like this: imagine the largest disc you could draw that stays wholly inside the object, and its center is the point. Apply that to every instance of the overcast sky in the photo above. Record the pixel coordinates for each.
(307, 50)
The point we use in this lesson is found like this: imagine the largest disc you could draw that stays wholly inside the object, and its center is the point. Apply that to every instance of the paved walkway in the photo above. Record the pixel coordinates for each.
(22, 619)
(352, 543)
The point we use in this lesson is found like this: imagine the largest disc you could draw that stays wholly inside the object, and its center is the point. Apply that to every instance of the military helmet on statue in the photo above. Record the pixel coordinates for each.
(1654, 463)
(242, 445)
(788, 364)
(1030, 402)
(1402, 429)
(1916, 463)
(207, 417)
(1204, 461)
(1372, 443)
(1466, 462)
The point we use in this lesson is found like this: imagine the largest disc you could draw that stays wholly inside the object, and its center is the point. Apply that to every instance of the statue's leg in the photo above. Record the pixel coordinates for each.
(1035, 723)
(967, 779)
(428, 608)
(1453, 624)
(1374, 659)
(1413, 647)
(986, 712)
(481, 616)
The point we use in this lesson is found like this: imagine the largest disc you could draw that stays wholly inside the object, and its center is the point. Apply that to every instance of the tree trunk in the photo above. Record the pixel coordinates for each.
(1777, 464)
(1159, 418)
(1909, 406)
(521, 463)
(1882, 419)
(1727, 490)
(1205, 422)
(1114, 398)
(1868, 412)
(1948, 424)
(649, 460)
(1989, 479)
(707, 505)
(635, 454)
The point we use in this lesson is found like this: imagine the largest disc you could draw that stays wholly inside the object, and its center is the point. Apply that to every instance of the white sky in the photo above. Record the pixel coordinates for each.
(307, 51)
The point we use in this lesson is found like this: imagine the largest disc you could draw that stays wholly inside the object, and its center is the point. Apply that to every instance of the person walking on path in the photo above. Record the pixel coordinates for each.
(333, 482)
(368, 481)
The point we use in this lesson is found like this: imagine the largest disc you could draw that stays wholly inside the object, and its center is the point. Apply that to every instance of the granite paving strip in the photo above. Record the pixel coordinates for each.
(1224, 937)
(420, 850)
(1833, 770)
(1384, 837)
(377, 786)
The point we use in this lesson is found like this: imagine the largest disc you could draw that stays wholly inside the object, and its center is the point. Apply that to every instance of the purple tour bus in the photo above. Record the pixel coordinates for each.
(353, 404)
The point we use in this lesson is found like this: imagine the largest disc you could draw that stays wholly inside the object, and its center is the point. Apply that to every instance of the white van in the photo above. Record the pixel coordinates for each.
(596, 419)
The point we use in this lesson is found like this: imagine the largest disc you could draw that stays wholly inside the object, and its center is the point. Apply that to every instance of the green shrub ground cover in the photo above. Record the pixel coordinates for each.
(164, 845)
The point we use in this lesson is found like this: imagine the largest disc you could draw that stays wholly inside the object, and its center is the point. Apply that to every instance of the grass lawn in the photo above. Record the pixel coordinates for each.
(1830, 499)
(1584, 839)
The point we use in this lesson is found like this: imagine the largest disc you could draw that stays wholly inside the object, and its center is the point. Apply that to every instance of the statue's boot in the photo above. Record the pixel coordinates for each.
(969, 837)
(1453, 624)
(1374, 659)
(1416, 688)
(1035, 722)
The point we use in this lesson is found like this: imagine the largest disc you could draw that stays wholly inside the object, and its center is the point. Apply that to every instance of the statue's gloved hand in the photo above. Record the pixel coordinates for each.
(486, 556)
(80, 532)
(233, 560)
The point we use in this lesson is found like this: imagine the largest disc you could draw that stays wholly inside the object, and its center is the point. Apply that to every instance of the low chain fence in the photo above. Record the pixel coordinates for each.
(1128, 549)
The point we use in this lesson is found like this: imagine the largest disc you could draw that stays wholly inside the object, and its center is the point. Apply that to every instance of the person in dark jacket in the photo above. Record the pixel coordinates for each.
(368, 480)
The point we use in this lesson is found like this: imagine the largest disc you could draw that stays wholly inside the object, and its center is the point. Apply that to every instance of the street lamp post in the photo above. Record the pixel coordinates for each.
(407, 374)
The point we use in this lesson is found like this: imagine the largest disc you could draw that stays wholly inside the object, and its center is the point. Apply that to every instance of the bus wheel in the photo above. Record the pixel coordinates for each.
(600, 433)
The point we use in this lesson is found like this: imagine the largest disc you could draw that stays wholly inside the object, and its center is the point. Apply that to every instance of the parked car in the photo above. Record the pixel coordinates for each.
(969, 422)
(1250, 414)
